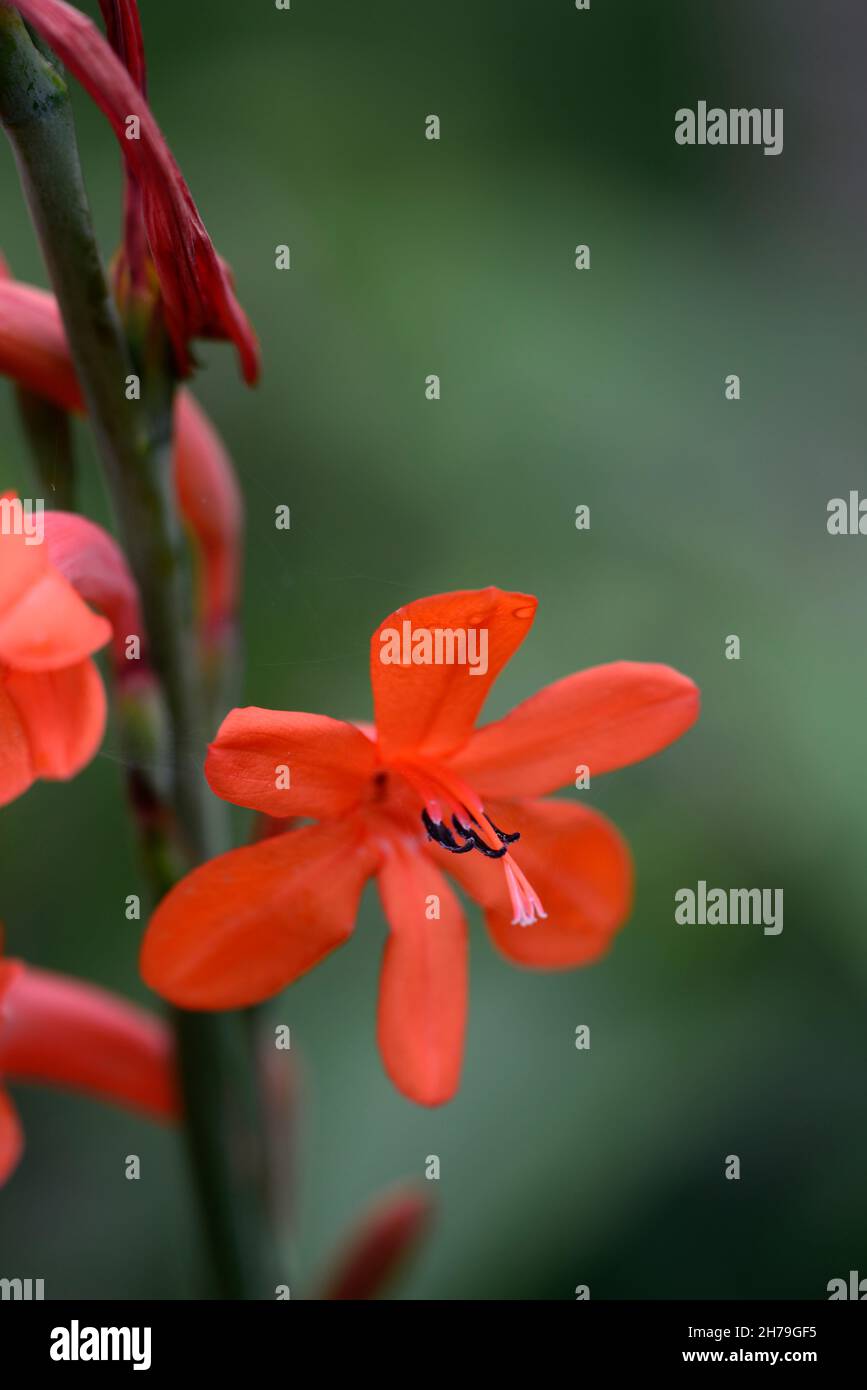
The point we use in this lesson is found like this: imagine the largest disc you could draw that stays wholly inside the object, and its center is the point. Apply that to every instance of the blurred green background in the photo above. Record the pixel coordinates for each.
(559, 387)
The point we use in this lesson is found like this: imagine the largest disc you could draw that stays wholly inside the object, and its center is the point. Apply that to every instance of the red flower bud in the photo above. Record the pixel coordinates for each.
(380, 1243)
(198, 297)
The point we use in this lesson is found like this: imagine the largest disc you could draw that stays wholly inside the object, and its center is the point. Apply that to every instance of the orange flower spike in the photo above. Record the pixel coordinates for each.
(70, 1034)
(421, 793)
(34, 352)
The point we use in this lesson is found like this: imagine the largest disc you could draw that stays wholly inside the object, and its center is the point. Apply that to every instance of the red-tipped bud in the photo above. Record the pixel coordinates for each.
(35, 353)
(382, 1241)
(210, 501)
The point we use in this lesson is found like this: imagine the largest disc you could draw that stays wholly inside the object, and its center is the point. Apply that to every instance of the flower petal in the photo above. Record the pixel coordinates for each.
(327, 763)
(124, 33)
(423, 990)
(69, 1033)
(43, 622)
(11, 1137)
(94, 564)
(63, 714)
(21, 564)
(606, 717)
(33, 346)
(16, 767)
(243, 926)
(431, 708)
(580, 867)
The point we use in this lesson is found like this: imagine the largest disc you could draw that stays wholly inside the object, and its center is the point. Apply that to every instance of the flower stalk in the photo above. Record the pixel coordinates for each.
(134, 441)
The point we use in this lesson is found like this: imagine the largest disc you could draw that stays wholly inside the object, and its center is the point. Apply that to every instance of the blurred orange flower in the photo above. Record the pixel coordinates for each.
(52, 700)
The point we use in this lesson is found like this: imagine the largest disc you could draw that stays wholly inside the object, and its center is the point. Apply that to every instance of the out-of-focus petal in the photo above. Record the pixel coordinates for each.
(16, 765)
(11, 1137)
(94, 564)
(63, 715)
(33, 346)
(48, 626)
(65, 1032)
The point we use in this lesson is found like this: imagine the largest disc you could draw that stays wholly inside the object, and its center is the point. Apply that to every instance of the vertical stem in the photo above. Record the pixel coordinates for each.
(134, 442)
(49, 434)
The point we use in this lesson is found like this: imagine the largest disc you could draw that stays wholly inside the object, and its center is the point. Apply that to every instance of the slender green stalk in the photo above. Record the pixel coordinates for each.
(49, 433)
(133, 438)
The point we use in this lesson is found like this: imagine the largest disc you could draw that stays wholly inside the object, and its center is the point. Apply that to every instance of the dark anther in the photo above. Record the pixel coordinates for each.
(475, 841)
(439, 831)
(486, 849)
(501, 834)
(443, 836)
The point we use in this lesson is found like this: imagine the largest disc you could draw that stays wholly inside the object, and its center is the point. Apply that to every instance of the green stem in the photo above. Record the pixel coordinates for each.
(49, 434)
(134, 442)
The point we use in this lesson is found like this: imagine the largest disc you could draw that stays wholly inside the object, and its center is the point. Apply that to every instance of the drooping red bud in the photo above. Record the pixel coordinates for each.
(197, 291)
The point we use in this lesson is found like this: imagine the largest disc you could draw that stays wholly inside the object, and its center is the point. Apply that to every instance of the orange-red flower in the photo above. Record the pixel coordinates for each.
(52, 700)
(196, 285)
(67, 1033)
(35, 353)
(424, 792)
